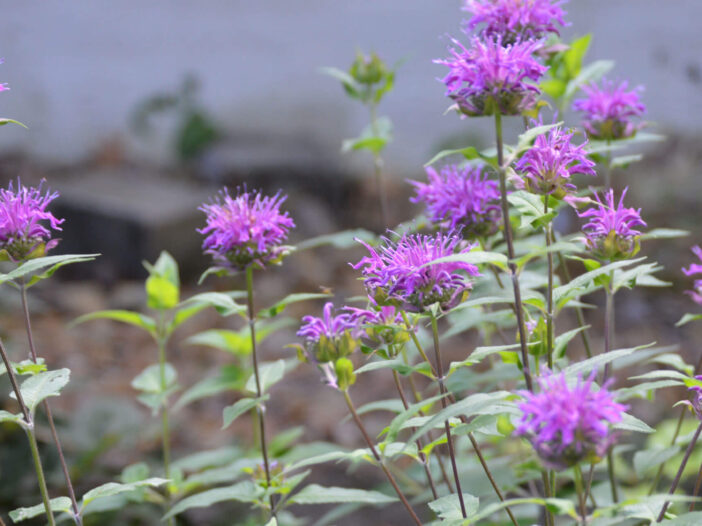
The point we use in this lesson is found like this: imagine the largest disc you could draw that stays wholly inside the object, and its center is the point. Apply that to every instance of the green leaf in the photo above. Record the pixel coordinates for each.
(229, 378)
(25, 367)
(558, 506)
(183, 314)
(41, 386)
(59, 504)
(6, 416)
(316, 494)
(48, 265)
(647, 459)
(590, 73)
(527, 138)
(530, 208)
(234, 411)
(163, 283)
(631, 423)
(448, 508)
(245, 491)
(562, 340)
(341, 240)
(149, 380)
(237, 343)
(474, 257)
(269, 374)
(686, 519)
(596, 362)
(573, 57)
(223, 302)
(687, 318)
(277, 308)
(664, 233)
(5, 120)
(470, 153)
(352, 87)
(125, 316)
(372, 138)
(398, 422)
(114, 488)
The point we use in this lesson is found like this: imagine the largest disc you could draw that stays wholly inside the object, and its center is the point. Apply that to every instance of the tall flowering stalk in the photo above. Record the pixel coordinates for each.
(611, 234)
(329, 341)
(26, 232)
(547, 168)
(243, 233)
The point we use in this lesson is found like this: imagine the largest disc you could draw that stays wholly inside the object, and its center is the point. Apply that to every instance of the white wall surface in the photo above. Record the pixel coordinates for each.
(78, 67)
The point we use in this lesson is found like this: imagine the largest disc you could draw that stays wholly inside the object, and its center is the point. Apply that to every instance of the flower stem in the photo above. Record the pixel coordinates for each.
(444, 404)
(608, 343)
(676, 480)
(259, 392)
(40, 475)
(28, 426)
(47, 409)
(548, 230)
(547, 494)
(378, 171)
(518, 307)
(422, 456)
(379, 459)
(582, 499)
(698, 483)
(578, 309)
(165, 427)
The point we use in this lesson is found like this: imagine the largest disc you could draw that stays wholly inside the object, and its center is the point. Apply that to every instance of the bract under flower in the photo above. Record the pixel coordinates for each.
(491, 77)
(515, 19)
(460, 198)
(611, 232)
(567, 424)
(25, 224)
(402, 273)
(248, 229)
(610, 109)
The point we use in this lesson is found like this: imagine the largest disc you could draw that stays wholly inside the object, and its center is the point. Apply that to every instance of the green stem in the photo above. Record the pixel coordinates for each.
(578, 309)
(547, 494)
(695, 492)
(674, 486)
(608, 343)
(579, 483)
(47, 409)
(165, 426)
(423, 459)
(444, 404)
(379, 459)
(549, 295)
(518, 307)
(40, 475)
(259, 391)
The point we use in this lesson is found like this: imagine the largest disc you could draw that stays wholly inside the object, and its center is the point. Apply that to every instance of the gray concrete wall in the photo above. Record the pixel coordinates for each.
(78, 67)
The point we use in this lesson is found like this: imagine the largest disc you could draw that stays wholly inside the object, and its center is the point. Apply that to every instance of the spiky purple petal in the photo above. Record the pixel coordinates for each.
(610, 110)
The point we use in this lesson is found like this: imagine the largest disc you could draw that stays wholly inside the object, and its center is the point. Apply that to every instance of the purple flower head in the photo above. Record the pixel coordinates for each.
(246, 230)
(609, 109)
(550, 163)
(382, 326)
(568, 424)
(460, 197)
(491, 77)
(611, 232)
(401, 273)
(515, 19)
(331, 336)
(695, 268)
(22, 212)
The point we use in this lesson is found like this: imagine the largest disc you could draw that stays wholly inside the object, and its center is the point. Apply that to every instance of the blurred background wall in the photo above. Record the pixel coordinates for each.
(78, 69)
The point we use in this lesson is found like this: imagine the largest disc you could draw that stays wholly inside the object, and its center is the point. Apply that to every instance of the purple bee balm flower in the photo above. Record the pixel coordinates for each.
(550, 163)
(246, 230)
(401, 273)
(490, 77)
(23, 233)
(695, 268)
(611, 233)
(568, 424)
(328, 326)
(515, 19)
(609, 109)
(460, 197)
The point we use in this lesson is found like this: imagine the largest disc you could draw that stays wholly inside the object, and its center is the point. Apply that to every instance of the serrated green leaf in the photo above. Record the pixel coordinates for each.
(398, 422)
(448, 508)
(245, 491)
(269, 374)
(234, 411)
(584, 282)
(41, 386)
(114, 488)
(237, 343)
(183, 314)
(647, 459)
(132, 318)
(573, 57)
(150, 381)
(278, 307)
(596, 362)
(474, 257)
(631, 423)
(558, 506)
(316, 494)
(664, 233)
(223, 302)
(58, 504)
(47, 264)
(229, 378)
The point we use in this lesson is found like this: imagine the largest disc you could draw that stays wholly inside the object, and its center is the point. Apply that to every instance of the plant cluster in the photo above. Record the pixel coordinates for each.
(533, 429)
